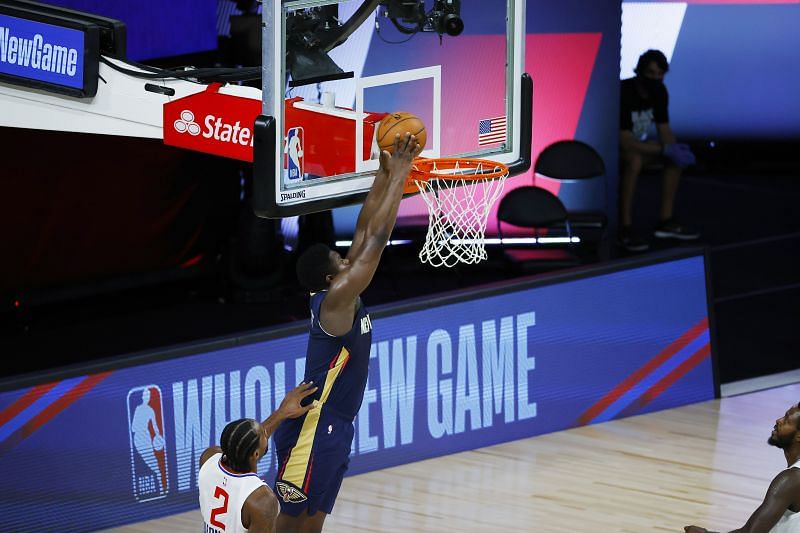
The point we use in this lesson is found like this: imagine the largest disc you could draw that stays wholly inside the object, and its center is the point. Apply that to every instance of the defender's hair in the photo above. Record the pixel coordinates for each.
(239, 440)
(652, 56)
(312, 267)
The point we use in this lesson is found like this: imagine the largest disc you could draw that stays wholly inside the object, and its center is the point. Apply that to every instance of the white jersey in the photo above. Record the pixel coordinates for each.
(790, 521)
(222, 495)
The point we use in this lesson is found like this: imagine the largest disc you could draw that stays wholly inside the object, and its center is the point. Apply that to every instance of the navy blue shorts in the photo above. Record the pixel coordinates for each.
(313, 455)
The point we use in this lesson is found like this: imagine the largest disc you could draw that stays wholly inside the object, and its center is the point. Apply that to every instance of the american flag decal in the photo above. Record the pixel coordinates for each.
(491, 130)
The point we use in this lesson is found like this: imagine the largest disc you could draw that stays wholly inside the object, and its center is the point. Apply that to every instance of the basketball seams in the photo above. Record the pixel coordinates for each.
(396, 124)
(385, 127)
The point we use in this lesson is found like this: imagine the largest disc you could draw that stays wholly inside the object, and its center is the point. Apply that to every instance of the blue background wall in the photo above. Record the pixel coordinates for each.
(158, 28)
(734, 72)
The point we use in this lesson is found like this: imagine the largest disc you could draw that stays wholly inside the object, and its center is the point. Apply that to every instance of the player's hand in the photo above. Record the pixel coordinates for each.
(694, 529)
(680, 154)
(290, 406)
(398, 162)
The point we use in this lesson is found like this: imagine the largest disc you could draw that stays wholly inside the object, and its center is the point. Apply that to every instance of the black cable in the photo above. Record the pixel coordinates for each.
(337, 37)
(405, 29)
(202, 75)
(387, 41)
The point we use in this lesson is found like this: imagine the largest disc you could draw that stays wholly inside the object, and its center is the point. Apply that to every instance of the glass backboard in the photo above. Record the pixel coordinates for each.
(333, 69)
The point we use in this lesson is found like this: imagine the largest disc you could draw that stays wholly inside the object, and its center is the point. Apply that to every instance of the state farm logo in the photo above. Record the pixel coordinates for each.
(214, 128)
(213, 123)
(186, 124)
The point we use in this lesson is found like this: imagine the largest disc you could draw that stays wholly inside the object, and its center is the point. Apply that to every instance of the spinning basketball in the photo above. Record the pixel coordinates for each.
(400, 122)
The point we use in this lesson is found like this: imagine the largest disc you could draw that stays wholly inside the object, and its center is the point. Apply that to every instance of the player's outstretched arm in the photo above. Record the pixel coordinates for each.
(337, 308)
(291, 407)
(209, 453)
(260, 511)
(783, 490)
(377, 196)
(373, 200)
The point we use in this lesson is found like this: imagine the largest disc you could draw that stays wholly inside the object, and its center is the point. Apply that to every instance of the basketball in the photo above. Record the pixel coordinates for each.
(158, 443)
(400, 122)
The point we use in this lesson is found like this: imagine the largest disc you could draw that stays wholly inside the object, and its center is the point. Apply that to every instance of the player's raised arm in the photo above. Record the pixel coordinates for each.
(781, 494)
(374, 228)
(291, 407)
(376, 198)
(373, 200)
(209, 452)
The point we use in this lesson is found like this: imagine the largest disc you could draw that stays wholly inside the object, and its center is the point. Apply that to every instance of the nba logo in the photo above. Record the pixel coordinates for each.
(294, 154)
(146, 434)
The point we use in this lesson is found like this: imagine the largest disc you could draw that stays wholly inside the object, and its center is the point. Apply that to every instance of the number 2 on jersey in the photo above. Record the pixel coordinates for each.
(219, 492)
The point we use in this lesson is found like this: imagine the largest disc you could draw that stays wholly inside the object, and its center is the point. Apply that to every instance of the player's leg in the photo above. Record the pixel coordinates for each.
(304, 523)
(313, 523)
(288, 524)
(300, 524)
(324, 501)
(309, 478)
(668, 226)
(670, 179)
(631, 164)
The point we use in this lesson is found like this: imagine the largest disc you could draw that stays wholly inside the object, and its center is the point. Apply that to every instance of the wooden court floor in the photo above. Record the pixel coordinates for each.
(706, 463)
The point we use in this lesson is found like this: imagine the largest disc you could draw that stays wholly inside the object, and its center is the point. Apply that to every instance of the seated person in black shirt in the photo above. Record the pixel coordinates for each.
(644, 102)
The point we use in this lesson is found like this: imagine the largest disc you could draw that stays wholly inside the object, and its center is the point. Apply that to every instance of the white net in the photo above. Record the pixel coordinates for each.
(458, 208)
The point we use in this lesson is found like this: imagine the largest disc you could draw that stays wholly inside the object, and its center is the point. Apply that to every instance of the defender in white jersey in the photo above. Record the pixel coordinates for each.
(233, 498)
(780, 510)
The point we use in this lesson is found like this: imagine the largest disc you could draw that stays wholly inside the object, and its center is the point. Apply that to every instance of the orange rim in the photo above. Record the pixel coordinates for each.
(425, 169)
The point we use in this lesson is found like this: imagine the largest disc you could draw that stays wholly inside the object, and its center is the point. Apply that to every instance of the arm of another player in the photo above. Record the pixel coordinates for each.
(665, 134)
(290, 407)
(629, 143)
(783, 490)
(260, 511)
(336, 313)
(680, 154)
(209, 453)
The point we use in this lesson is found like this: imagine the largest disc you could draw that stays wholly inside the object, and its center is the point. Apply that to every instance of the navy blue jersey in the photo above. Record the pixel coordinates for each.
(339, 365)
(313, 451)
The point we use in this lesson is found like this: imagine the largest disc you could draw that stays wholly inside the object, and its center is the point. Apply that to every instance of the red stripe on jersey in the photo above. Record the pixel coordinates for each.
(285, 461)
(308, 474)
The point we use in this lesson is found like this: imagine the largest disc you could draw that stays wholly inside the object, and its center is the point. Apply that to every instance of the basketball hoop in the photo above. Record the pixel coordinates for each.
(459, 193)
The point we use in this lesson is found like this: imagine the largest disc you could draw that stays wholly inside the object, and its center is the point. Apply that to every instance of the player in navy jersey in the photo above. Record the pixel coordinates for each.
(314, 450)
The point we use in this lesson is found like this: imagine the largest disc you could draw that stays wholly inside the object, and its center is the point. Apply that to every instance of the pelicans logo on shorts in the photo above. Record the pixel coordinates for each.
(146, 433)
(289, 493)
